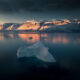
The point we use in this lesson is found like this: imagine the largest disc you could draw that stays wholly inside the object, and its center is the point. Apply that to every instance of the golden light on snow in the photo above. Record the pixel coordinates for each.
(44, 27)
(10, 27)
(29, 25)
(36, 26)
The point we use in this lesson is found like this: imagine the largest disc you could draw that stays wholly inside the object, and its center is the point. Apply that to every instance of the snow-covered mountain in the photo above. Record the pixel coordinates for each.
(63, 25)
(13, 26)
(6, 25)
(29, 25)
(71, 27)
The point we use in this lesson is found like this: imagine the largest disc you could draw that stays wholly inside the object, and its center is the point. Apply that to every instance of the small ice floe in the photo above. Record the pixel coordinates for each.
(30, 37)
(37, 50)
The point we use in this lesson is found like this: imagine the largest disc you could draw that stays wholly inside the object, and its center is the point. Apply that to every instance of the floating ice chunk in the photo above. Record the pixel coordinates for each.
(37, 50)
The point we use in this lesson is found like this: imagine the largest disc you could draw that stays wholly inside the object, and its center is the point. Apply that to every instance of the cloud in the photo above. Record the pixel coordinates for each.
(38, 5)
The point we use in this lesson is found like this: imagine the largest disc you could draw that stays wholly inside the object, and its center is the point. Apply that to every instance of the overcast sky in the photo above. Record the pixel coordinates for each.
(22, 10)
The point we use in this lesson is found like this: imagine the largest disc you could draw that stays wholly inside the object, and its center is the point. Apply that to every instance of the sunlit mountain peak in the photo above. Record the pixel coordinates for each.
(66, 20)
(31, 21)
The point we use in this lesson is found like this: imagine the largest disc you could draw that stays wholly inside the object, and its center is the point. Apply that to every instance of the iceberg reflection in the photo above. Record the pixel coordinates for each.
(37, 50)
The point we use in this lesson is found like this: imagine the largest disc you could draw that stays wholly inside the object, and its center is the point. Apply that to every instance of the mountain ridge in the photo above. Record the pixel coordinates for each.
(63, 25)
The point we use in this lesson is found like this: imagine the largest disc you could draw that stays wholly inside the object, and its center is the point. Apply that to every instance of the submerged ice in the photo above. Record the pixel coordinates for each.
(37, 50)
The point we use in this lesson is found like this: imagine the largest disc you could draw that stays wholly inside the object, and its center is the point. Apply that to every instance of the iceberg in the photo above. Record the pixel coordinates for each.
(37, 50)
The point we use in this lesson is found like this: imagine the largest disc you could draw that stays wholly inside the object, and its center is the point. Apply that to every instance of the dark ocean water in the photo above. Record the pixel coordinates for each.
(64, 47)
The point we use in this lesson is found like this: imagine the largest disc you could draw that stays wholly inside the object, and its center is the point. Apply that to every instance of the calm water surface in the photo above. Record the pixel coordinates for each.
(64, 47)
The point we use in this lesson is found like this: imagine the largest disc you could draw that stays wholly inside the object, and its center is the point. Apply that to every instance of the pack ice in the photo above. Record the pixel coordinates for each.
(37, 50)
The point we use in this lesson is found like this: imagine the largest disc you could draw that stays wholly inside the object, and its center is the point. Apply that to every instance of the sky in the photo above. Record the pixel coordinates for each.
(22, 10)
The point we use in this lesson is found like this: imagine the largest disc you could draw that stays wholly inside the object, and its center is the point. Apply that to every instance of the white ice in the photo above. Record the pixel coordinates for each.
(37, 50)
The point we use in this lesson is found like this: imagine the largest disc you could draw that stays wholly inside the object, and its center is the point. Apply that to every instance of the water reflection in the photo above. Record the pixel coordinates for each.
(61, 47)
(57, 38)
(60, 39)
(1, 36)
(11, 35)
(29, 37)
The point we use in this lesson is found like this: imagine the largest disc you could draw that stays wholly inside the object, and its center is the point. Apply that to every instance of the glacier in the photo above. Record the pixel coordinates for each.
(37, 50)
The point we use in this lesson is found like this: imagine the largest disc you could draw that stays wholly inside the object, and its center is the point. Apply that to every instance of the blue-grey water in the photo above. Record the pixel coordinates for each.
(63, 47)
